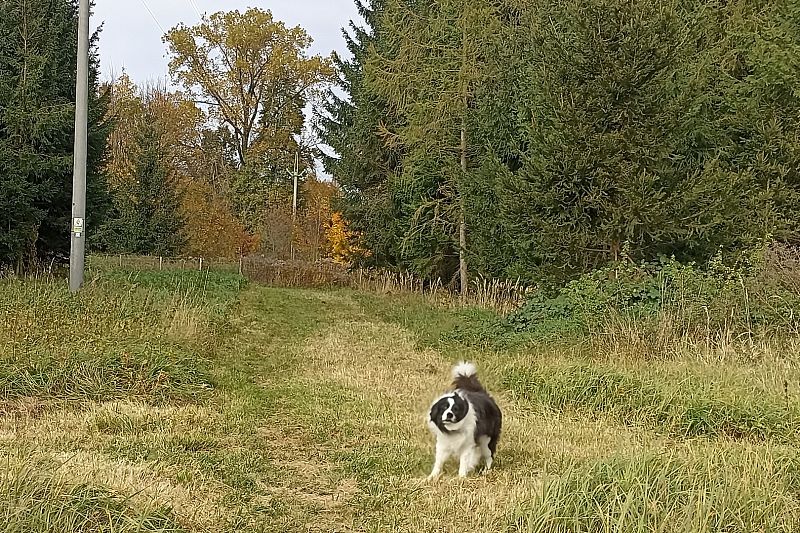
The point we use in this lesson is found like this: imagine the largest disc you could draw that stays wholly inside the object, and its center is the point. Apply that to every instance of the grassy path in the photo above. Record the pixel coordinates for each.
(315, 423)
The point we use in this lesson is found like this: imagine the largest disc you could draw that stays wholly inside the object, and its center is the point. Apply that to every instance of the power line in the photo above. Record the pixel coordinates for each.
(196, 9)
(144, 3)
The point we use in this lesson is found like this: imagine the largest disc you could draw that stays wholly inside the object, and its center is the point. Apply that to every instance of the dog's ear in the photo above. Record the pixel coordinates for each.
(437, 410)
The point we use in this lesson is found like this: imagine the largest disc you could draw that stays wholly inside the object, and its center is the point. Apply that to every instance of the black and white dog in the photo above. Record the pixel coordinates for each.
(465, 422)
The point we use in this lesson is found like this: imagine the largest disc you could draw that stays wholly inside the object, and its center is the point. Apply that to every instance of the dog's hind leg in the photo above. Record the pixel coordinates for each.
(483, 444)
(469, 460)
(442, 455)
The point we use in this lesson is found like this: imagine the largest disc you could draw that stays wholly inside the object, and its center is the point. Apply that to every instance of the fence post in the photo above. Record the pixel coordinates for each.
(201, 264)
(161, 263)
(120, 260)
(240, 265)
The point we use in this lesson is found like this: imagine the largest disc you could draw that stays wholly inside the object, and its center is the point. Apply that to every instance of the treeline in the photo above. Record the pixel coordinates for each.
(200, 166)
(547, 138)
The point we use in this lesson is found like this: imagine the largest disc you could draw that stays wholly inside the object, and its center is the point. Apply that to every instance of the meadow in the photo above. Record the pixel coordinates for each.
(197, 401)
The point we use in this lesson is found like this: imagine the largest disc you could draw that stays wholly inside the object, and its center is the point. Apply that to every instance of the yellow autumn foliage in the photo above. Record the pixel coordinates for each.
(342, 241)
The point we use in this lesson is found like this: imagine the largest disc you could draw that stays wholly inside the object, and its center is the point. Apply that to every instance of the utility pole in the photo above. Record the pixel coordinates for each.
(296, 175)
(78, 230)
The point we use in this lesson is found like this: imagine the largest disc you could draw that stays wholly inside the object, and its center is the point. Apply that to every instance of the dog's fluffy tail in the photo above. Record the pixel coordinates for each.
(465, 377)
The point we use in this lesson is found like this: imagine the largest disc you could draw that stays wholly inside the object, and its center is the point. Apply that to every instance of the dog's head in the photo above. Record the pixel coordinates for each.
(448, 411)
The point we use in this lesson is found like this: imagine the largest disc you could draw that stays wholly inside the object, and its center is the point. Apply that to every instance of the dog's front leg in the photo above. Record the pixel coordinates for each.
(441, 457)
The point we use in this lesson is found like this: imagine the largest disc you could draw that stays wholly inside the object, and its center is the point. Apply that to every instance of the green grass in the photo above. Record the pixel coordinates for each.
(684, 406)
(189, 401)
(120, 337)
(156, 372)
(36, 499)
(670, 493)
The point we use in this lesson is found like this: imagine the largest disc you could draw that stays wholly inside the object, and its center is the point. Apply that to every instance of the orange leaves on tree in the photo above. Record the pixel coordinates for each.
(343, 242)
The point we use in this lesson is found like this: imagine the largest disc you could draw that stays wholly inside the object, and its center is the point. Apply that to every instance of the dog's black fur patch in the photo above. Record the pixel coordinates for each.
(489, 419)
(460, 409)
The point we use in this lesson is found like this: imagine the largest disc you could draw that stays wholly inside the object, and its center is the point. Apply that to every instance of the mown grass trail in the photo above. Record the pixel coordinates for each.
(189, 402)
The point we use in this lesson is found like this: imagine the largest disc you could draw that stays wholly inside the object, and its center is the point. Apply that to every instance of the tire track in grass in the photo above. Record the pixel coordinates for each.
(260, 368)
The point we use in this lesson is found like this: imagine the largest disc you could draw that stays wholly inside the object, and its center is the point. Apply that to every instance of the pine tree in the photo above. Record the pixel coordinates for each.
(753, 86)
(362, 163)
(592, 127)
(37, 95)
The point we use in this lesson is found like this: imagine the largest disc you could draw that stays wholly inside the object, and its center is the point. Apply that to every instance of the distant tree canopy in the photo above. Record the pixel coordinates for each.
(255, 75)
(37, 119)
(170, 171)
(592, 127)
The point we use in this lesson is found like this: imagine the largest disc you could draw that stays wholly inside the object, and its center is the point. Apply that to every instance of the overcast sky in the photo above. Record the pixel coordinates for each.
(131, 37)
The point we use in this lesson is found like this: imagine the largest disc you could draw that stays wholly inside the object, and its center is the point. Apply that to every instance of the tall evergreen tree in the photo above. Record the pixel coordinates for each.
(361, 162)
(752, 85)
(429, 70)
(157, 200)
(623, 140)
(37, 95)
(591, 127)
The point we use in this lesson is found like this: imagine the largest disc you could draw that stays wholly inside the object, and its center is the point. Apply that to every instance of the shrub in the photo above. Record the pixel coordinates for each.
(715, 301)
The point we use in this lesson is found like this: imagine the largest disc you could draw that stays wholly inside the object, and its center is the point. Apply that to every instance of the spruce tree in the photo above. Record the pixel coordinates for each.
(665, 129)
(362, 163)
(37, 95)
(146, 217)
(158, 200)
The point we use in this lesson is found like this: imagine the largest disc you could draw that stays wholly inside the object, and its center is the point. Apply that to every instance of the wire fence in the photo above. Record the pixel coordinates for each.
(500, 295)
(144, 262)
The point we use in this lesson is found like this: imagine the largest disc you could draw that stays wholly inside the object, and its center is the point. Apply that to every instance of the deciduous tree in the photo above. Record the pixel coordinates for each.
(253, 72)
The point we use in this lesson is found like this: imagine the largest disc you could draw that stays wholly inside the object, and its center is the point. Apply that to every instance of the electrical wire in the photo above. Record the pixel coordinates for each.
(193, 3)
(144, 3)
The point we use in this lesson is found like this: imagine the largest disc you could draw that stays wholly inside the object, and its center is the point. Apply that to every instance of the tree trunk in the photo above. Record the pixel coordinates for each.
(462, 223)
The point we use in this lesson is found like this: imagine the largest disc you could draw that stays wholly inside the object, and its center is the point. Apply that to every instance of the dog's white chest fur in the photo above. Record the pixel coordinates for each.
(461, 436)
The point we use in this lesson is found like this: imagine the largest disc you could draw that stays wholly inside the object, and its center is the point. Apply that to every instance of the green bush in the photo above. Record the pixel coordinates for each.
(712, 301)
